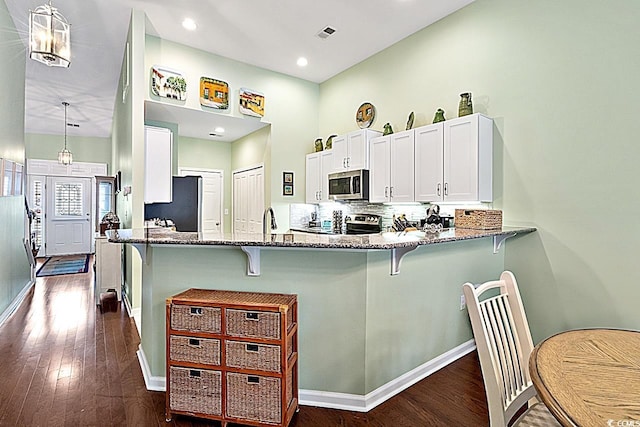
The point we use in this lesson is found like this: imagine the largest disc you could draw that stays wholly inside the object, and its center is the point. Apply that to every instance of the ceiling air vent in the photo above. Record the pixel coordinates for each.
(326, 32)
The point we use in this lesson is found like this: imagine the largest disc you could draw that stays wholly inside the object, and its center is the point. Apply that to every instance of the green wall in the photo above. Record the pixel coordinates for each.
(14, 267)
(84, 149)
(559, 79)
(359, 327)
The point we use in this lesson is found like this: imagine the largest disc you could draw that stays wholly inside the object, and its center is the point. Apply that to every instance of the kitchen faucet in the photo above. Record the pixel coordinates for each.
(274, 226)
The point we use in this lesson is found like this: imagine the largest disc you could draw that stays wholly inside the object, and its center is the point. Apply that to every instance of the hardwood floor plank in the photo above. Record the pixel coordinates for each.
(66, 364)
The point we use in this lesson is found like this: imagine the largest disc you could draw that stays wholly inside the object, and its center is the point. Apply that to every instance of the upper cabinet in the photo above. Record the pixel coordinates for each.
(391, 177)
(351, 151)
(158, 146)
(318, 166)
(454, 160)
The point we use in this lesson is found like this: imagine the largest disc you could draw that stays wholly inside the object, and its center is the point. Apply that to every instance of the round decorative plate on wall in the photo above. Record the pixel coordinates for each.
(365, 115)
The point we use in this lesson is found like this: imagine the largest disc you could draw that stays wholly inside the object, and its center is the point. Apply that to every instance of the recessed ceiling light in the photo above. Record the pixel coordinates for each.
(189, 24)
(219, 130)
(302, 62)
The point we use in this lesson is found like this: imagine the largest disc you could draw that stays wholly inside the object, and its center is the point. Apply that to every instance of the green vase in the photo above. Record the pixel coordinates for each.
(466, 107)
(439, 117)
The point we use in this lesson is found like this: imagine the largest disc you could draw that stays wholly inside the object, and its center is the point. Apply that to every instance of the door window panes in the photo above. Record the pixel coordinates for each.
(68, 199)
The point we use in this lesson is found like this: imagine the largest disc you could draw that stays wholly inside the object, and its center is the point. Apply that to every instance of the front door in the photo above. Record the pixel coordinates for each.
(68, 216)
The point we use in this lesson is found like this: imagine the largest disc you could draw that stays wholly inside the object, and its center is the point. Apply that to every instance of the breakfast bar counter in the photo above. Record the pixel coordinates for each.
(364, 334)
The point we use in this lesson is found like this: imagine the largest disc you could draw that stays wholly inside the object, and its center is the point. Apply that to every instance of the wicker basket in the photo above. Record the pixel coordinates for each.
(196, 350)
(479, 219)
(261, 357)
(258, 324)
(196, 391)
(195, 319)
(253, 397)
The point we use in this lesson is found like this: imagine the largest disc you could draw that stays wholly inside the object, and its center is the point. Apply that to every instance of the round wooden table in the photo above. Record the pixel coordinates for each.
(589, 377)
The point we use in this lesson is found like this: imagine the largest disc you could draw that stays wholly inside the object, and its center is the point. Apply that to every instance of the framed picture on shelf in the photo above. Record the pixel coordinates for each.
(287, 183)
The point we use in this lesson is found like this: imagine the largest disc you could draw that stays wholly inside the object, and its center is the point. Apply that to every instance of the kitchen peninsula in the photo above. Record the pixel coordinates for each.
(364, 334)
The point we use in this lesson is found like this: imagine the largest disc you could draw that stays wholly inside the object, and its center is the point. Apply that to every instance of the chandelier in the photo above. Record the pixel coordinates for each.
(49, 37)
(64, 156)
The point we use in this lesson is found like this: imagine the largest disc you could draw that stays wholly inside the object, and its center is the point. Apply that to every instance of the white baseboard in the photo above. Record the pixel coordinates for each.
(345, 401)
(151, 382)
(359, 403)
(136, 313)
(16, 301)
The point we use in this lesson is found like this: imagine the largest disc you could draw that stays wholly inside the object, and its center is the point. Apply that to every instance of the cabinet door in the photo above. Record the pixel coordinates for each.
(358, 153)
(339, 149)
(379, 172)
(157, 165)
(312, 187)
(402, 166)
(461, 159)
(326, 166)
(429, 163)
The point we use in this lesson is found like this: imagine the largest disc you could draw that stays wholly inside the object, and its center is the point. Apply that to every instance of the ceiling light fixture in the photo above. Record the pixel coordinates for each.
(219, 130)
(189, 24)
(302, 62)
(64, 156)
(49, 37)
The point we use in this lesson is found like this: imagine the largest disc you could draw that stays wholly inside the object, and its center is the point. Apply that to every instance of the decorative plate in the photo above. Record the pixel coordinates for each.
(167, 83)
(251, 102)
(214, 93)
(365, 115)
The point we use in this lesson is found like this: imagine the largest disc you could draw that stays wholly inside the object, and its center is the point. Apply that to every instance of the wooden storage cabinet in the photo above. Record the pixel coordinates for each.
(232, 356)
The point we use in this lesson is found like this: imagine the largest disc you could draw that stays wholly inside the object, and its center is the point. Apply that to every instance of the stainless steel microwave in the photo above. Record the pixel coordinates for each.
(351, 185)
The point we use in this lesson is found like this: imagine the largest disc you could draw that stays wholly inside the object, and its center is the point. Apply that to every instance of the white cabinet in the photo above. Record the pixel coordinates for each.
(158, 144)
(318, 166)
(351, 151)
(391, 162)
(108, 267)
(454, 160)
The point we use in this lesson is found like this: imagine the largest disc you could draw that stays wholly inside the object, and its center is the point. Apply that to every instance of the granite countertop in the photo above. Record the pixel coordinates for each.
(390, 240)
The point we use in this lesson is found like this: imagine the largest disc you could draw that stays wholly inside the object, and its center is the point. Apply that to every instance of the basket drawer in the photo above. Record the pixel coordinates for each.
(197, 391)
(261, 357)
(258, 324)
(195, 319)
(196, 350)
(253, 397)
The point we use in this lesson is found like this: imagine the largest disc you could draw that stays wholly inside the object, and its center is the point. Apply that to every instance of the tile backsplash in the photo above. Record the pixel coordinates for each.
(300, 214)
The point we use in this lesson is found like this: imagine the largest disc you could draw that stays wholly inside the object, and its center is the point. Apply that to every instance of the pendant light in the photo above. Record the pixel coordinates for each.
(49, 37)
(64, 156)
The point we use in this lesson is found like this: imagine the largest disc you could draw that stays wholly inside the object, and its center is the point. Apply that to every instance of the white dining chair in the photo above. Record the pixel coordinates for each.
(504, 345)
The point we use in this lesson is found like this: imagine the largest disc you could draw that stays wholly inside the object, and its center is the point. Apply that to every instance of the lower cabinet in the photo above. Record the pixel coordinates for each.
(232, 356)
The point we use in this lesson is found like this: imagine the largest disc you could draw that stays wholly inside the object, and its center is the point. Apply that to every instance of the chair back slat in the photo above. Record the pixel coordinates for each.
(504, 344)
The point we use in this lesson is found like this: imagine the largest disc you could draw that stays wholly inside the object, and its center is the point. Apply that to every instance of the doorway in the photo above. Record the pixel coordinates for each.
(211, 202)
(248, 200)
(68, 216)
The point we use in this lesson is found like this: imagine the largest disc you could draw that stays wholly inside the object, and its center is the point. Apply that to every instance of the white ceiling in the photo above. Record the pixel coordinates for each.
(266, 33)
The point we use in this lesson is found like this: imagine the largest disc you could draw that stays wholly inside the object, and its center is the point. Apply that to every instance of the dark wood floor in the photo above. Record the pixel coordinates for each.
(63, 363)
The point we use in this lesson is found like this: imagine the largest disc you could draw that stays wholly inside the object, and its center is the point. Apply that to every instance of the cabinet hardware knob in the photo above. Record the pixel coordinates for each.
(252, 316)
(446, 188)
(439, 188)
(196, 311)
(252, 347)
(251, 379)
(194, 342)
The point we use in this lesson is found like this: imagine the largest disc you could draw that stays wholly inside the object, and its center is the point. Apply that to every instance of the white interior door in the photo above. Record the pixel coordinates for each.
(68, 216)
(212, 198)
(248, 200)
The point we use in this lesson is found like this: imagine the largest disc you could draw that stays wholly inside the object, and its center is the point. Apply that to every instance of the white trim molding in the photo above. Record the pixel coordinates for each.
(152, 383)
(12, 307)
(345, 401)
(359, 403)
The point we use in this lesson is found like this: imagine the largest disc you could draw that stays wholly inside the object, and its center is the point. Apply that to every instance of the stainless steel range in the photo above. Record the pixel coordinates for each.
(363, 224)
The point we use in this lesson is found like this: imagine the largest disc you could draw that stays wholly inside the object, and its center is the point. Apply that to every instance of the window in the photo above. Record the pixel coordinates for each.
(68, 200)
